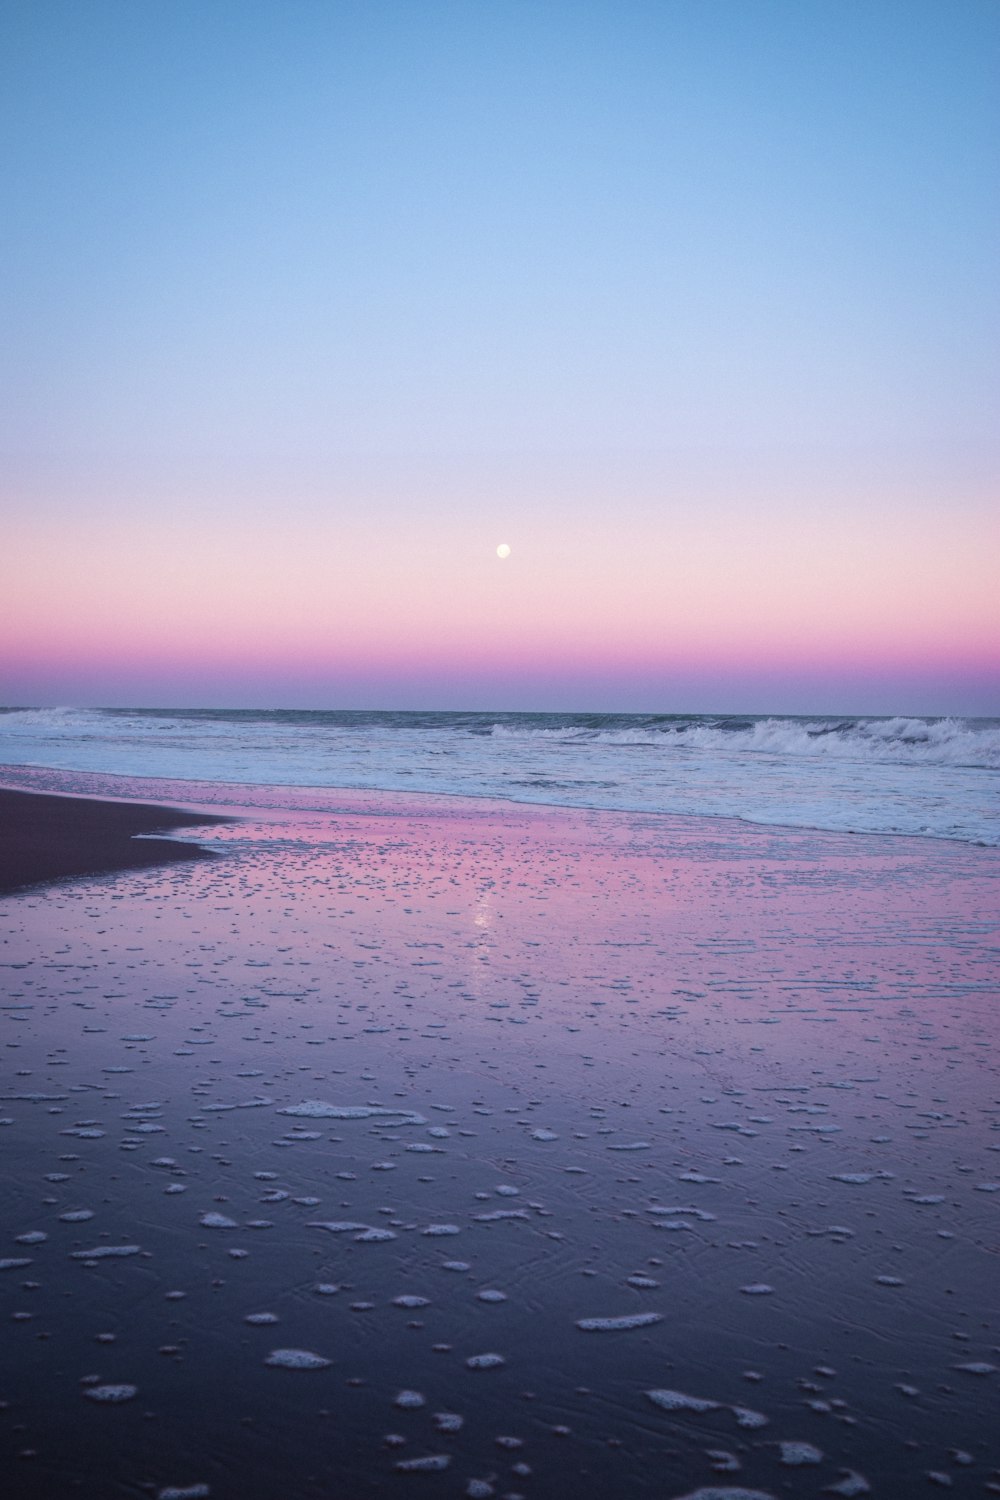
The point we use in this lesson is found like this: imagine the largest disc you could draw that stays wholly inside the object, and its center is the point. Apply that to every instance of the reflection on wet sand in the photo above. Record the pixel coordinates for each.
(483, 1150)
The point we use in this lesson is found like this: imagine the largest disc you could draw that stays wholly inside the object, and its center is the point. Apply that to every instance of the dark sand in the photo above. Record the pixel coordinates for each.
(412, 1082)
(44, 837)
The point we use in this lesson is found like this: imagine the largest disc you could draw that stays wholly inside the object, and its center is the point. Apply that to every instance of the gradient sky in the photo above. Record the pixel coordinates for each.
(309, 304)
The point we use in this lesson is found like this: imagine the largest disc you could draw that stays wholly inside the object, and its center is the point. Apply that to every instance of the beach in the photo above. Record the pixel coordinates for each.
(44, 837)
(455, 1147)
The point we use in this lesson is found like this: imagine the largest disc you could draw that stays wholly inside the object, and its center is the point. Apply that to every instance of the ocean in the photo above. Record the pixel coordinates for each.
(929, 777)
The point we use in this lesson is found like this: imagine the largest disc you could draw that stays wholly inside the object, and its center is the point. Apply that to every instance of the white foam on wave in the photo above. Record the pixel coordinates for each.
(838, 774)
(899, 740)
(59, 717)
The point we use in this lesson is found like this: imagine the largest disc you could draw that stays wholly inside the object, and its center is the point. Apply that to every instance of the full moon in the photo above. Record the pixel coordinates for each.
(503, 550)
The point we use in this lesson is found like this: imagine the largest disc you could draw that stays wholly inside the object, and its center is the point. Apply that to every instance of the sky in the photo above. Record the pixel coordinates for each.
(308, 305)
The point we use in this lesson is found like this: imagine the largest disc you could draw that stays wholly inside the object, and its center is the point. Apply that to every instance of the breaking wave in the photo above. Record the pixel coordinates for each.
(954, 742)
(930, 777)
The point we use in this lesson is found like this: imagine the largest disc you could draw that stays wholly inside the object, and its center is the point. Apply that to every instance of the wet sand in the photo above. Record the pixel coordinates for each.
(44, 837)
(690, 1126)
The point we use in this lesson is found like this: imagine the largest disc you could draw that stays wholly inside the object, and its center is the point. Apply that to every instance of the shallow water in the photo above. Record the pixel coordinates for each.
(328, 1148)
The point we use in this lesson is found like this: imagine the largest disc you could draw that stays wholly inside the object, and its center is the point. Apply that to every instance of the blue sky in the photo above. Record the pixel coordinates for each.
(420, 262)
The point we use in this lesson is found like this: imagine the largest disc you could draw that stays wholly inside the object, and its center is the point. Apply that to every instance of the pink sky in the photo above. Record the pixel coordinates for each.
(615, 607)
(307, 308)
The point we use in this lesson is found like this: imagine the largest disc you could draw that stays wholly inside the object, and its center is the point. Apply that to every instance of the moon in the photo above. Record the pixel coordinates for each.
(503, 550)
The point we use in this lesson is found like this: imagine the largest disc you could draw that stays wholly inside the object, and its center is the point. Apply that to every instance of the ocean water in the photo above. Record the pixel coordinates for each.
(931, 777)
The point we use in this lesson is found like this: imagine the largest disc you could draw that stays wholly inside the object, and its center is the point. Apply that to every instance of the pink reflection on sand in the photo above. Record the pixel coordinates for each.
(770, 946)
(752, 1062)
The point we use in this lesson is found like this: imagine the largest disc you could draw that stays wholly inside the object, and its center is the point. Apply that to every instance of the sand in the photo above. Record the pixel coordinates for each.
(44, 837)
(443, 1148)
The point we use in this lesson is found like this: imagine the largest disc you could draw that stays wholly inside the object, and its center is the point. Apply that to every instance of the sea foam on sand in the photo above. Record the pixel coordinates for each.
(724, 1096)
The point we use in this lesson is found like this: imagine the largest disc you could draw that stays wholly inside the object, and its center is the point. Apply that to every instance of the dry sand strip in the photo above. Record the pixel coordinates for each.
(44, 837)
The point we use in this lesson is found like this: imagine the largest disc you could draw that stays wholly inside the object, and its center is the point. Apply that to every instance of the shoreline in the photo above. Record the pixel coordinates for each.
(47, 836)
(291, 797)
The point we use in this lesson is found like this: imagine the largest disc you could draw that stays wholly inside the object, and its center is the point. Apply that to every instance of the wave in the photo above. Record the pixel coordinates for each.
(974, 744)
(931, 777)
(969, 743)
(57, 725)
(40, 718)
